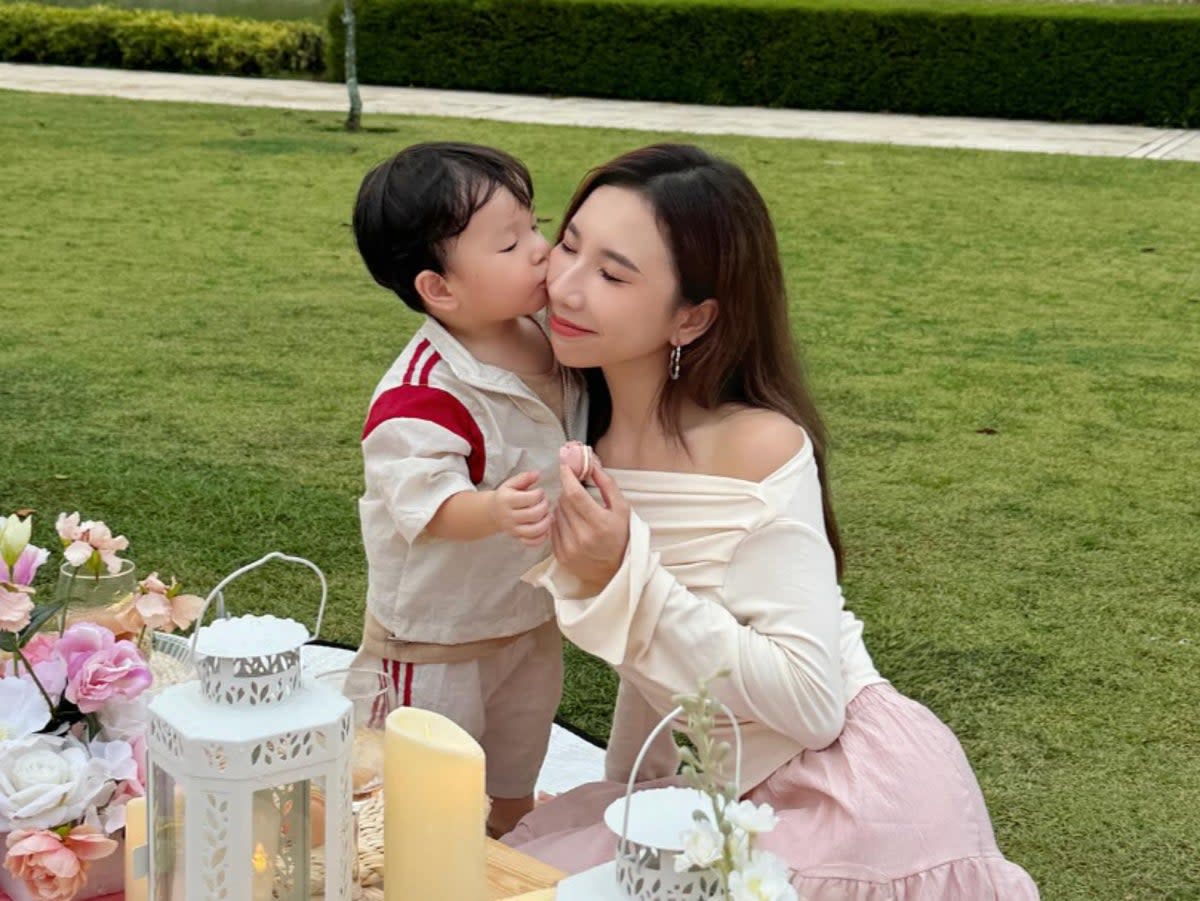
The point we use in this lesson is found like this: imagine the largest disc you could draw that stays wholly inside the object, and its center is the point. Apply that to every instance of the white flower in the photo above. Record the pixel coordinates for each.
(122, 719)
(114, 759)
(23, 710)
(739, 847)
(764, 878)
(49, 780)
(14, 535)
(702, 847)
(754, 820)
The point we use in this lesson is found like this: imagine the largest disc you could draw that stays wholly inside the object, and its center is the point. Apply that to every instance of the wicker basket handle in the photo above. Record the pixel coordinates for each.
(662, 724)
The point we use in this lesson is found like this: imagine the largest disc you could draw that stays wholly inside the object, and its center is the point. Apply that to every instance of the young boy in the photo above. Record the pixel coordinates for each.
(460, 432)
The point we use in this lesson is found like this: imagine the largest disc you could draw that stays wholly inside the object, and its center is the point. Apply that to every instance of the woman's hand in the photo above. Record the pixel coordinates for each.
(589, 539)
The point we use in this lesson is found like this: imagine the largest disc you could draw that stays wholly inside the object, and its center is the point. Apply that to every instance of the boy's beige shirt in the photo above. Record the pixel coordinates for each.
(442, 422)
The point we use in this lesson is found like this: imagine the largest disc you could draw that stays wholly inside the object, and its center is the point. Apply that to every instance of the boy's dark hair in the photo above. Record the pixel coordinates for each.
(411, 205)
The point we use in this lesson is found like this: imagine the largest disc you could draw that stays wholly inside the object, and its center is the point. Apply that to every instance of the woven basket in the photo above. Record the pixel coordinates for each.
(170, 661)
(369, 874)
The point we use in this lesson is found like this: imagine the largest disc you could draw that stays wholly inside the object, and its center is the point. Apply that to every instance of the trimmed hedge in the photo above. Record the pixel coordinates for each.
(144, 39)
(1093, 64)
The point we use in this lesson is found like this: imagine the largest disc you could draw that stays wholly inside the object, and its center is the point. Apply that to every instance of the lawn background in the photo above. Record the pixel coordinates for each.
(1006, 348)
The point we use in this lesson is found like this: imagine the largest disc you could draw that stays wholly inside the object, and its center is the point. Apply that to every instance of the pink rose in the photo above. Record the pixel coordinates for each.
(116, 671)
(81, 641)
(51, 670)
(54, 868)
(40, 648)
(15, 607)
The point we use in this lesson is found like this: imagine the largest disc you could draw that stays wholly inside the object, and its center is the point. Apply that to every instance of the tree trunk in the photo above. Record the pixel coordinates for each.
(354, 119)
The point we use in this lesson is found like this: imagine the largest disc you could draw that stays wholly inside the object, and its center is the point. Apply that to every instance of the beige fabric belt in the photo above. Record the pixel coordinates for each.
(379, 642)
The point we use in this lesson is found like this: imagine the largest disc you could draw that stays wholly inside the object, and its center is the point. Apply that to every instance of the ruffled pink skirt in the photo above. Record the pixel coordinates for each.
(891, 811)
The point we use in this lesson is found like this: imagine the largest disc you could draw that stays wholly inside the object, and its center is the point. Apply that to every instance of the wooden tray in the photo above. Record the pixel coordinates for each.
(512, 874)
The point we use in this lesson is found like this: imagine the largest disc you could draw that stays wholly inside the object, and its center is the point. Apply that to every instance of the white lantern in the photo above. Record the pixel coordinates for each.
(235, 761)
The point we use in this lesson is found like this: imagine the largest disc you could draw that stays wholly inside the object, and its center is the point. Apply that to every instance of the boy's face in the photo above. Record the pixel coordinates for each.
(496, 269)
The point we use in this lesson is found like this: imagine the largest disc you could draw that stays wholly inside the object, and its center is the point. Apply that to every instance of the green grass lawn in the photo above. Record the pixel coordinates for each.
(1007, 349)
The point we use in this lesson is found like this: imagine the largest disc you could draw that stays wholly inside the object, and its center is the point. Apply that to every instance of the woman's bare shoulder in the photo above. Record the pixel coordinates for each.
(751, 443)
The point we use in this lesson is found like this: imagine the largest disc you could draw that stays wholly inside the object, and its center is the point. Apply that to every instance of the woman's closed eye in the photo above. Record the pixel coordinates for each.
(604, 273)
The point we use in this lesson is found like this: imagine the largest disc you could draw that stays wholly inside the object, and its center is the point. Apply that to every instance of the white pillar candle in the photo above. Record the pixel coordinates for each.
(137, 851)
(435, 810)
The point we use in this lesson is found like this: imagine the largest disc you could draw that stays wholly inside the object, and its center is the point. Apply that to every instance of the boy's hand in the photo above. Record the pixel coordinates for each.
(520, 508)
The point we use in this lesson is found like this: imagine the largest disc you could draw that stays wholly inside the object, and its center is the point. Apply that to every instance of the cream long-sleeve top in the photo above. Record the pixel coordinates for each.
(722, 573)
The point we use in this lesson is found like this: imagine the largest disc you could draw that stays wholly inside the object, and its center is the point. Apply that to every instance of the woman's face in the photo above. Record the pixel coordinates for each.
(612, 284)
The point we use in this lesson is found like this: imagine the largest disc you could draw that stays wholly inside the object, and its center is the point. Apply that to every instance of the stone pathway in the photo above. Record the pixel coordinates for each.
(872, 128)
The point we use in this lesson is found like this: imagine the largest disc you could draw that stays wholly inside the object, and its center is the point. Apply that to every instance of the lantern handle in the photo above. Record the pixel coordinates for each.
(665, 721)
(217, 594)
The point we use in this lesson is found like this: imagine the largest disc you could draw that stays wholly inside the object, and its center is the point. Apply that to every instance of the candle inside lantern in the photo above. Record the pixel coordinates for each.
(435, 809)
(137, 851)
(267, 828)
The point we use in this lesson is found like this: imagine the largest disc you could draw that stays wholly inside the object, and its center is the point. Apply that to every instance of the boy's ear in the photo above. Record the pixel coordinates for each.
(435, 292)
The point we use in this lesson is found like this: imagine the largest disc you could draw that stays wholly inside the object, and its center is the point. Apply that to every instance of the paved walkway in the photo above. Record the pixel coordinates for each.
(872, 128)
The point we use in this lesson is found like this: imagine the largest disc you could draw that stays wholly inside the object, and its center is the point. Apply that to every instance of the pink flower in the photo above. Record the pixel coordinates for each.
(51, 670)
(84, 540)
(80, 642)
(157, 605)
(40, 648)
(15, 607)
(107, 545)
(68, 527)
(26, 566)
(117, 671)
(55, 868)
(42, 654)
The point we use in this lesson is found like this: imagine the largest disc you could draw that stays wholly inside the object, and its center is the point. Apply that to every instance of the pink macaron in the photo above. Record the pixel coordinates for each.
(578, 457)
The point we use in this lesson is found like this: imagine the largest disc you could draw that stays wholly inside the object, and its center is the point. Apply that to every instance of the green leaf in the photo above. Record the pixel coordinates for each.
(37, 619)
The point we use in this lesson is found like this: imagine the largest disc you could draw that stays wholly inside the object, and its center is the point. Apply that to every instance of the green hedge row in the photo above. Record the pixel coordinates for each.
(1098, 64)
(142, 39)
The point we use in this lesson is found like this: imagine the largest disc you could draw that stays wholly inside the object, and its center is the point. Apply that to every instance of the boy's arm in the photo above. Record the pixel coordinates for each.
(518, 507)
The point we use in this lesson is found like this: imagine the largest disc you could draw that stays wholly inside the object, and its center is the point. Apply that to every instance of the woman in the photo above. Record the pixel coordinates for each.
(715, 546)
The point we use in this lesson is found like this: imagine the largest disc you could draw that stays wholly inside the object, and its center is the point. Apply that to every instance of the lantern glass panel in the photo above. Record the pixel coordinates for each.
(280, 846)
(167, 822)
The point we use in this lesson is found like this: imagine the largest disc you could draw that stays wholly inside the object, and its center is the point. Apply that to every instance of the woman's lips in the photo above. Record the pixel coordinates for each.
(567, 329)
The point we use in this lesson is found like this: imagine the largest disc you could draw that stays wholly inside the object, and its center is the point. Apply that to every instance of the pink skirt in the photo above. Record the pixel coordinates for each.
(891, 811)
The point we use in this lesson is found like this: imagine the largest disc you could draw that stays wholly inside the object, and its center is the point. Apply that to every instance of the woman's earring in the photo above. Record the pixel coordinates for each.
(676, 353)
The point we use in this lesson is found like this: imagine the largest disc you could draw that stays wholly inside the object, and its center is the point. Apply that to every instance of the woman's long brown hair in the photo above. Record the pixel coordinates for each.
(723, 243)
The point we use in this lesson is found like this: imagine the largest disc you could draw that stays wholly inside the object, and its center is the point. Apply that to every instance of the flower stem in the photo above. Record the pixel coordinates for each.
(67, 599)
(36, 680)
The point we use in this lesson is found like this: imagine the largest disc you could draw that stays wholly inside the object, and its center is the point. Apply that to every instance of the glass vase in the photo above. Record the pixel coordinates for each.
(90, 597)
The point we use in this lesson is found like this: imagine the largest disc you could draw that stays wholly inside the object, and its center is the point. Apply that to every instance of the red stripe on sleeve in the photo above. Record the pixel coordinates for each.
(436, 406)
(416, 358)
(433, 361)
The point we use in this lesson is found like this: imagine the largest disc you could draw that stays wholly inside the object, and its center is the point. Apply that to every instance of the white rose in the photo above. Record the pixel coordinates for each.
(753, 820)
(764, 878)
(23, 710)
(49, 780)
(702, 847)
